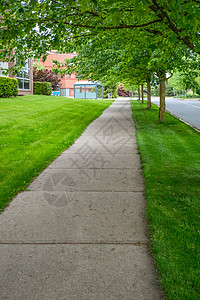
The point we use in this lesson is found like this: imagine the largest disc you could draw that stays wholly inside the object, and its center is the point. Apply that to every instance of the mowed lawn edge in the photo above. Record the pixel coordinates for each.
(34, 130)
(170, 160)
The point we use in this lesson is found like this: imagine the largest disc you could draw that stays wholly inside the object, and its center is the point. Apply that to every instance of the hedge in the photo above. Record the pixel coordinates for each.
(8, 87)
(42, 88)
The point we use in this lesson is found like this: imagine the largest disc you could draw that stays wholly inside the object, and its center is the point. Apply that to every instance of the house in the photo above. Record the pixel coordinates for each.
(67, 81)
(24, 77)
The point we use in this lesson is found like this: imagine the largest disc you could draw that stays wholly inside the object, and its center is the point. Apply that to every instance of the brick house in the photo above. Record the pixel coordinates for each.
(67, 81)
(24, 77)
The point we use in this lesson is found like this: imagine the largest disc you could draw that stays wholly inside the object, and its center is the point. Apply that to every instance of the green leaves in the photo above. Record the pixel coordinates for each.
(116, 26)
(33, 2)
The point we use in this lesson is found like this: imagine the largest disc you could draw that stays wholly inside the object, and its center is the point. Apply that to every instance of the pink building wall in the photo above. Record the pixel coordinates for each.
(67, 81)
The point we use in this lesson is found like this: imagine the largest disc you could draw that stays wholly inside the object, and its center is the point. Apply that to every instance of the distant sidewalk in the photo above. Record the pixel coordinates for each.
(80, 232)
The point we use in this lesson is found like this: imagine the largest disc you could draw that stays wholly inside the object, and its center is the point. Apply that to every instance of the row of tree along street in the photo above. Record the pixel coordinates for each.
(181, 84)
(132, 42)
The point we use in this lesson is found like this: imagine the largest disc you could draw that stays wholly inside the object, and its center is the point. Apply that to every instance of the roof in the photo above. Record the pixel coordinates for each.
(86, 82)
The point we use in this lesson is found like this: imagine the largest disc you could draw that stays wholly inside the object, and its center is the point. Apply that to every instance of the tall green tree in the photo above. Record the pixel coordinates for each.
(137, 62)
(33, 27)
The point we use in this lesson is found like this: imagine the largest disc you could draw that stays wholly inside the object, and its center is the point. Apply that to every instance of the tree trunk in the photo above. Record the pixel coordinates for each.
(193, 93)
(142, 92)
(148, 94)
(162, 100)
(138, 92)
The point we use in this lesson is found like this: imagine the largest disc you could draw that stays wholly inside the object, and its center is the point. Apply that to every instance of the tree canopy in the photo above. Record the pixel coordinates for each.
(128, 41)
(33, 27)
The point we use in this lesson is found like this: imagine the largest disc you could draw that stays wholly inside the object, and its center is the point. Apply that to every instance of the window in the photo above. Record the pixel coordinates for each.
(23, 77)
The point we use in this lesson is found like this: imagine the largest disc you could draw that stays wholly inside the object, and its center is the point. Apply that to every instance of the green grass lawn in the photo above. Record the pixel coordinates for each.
(170, 154)
(33, 131)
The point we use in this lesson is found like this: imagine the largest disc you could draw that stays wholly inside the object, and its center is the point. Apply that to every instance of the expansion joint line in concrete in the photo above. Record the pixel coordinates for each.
(79, 243)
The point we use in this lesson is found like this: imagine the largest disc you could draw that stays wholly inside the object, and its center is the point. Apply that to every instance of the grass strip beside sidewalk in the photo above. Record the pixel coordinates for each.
(34, 130)
(170, 155)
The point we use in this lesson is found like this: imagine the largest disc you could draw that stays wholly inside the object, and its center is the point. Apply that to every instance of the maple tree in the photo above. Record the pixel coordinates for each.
(52, 24)
(165, 28)
(45, 75)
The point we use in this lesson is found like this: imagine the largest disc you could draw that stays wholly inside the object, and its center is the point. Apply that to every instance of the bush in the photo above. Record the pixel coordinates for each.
(42, 88)
(8, 87)
(45, 75)
(122, 92)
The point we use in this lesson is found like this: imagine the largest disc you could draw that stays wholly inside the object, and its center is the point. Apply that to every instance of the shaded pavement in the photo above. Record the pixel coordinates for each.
(80, 231)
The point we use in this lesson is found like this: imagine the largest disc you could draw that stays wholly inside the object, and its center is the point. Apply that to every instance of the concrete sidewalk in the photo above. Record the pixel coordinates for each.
(80, 231)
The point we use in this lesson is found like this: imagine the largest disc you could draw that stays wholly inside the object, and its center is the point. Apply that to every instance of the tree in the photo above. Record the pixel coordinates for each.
(137, 63)
(187, 77)
(106, 90)
(111, 59)
(45, 75)
(37, 66)
(33, 27)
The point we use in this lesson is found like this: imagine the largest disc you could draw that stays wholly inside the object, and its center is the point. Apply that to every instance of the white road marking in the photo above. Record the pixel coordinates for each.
(191, 105)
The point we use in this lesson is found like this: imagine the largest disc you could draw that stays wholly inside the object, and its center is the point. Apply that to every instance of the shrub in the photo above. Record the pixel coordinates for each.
(42, 88)
(122, 92)
(8, 87)
(44, 75)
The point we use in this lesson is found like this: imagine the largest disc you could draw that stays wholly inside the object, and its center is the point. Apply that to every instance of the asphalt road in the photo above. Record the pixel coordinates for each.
(187, 110)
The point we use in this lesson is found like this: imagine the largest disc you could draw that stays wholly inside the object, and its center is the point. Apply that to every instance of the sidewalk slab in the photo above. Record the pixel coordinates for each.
(105, 122)
(107, 141)
(72, 272)
(96, 160)
(82, 218)
(101, 147)
(107, 180)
